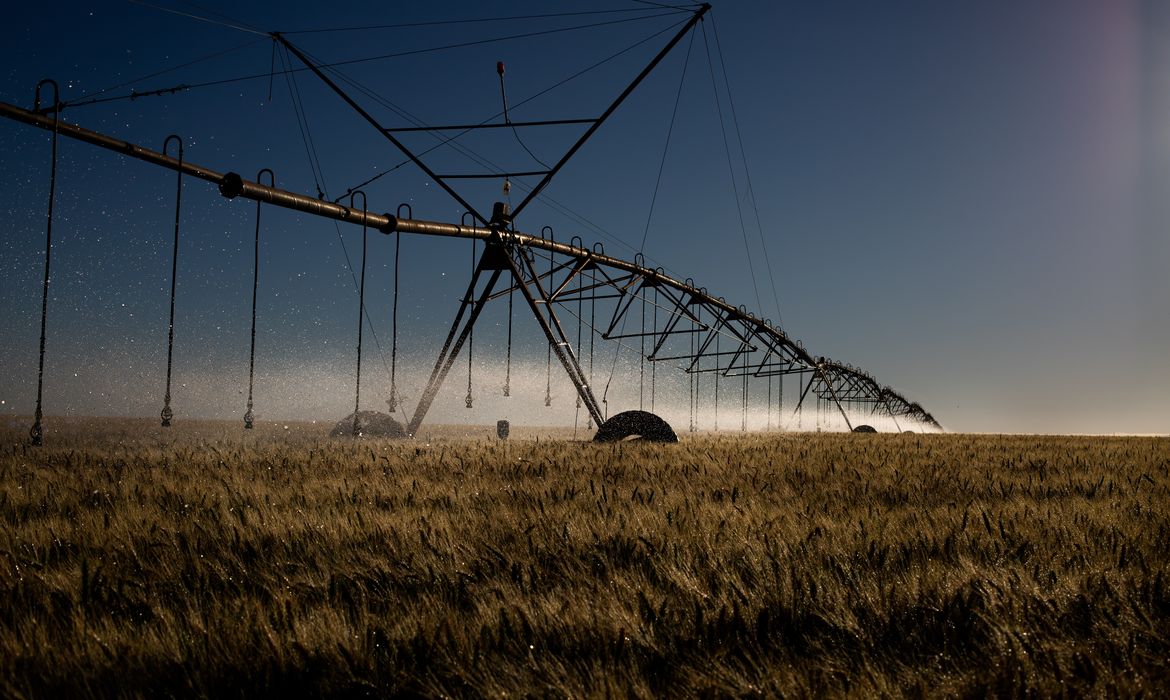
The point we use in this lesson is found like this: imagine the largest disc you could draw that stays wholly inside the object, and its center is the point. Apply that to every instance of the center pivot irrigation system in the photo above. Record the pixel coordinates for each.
(618, 300)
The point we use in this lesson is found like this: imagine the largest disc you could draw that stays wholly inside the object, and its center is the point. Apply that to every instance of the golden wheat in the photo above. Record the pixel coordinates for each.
(209, 561)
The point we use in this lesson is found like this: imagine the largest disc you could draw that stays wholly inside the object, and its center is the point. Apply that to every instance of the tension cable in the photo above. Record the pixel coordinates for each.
(731, 170)
(746, 171)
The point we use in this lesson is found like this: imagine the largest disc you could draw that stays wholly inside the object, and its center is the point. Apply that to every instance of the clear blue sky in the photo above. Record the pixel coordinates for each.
(969, 200)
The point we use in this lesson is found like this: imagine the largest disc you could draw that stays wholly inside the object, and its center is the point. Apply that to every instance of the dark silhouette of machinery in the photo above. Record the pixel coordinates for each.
(689, 327)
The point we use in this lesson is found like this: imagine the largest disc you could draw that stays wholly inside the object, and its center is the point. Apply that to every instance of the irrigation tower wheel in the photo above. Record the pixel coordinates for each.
(641, 425)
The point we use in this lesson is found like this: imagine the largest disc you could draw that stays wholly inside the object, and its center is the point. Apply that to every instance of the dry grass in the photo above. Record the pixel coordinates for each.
(206, 562)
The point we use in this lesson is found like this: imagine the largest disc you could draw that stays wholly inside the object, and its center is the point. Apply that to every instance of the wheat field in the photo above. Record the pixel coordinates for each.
(206, 561)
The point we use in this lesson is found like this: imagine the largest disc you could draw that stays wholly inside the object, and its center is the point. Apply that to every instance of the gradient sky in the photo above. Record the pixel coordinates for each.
(969, 200)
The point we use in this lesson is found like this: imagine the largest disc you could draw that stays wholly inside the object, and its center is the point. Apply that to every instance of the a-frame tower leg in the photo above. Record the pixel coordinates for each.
(489, 261)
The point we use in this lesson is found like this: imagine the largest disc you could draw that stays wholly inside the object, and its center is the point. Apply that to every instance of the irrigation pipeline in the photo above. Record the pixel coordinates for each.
(842, 382)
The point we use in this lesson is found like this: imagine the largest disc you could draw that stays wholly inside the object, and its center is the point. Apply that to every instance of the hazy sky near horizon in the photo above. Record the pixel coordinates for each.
(969, 200)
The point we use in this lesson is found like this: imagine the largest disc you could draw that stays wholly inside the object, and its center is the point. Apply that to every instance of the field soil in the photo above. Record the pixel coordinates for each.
(207, 560)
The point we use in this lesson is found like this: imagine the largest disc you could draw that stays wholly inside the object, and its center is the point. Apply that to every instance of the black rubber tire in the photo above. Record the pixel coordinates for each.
(371, 424)
(642, 425)
(865, 429)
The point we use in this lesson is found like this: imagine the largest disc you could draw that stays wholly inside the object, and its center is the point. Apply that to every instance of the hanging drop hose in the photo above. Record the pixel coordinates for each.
(503, 95)
(548, 360)
(392, 402)
(511, 291)
(508, 362)
(592, 333)
(580, 318)
(167, 414)
(357, 392)
(743, 420)
(768, 425)
(641, 359)
(780, 403)
(692, 375)
(653, 365)
(800, 405)
(548, 379)
(249, 417)
(717, 372)
(470, 339)
(508, 120)
(36, 433)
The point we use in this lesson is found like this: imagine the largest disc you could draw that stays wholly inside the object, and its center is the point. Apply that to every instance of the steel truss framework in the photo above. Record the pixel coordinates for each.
(689, 328)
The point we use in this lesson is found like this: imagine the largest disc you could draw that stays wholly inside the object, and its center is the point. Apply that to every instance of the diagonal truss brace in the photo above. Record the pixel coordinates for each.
(594, 124)
(453, 344)
(497, 258)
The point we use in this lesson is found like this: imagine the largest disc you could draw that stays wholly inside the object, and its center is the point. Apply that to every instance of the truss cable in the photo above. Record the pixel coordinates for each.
(663, 5)
(408, 25)
(731, 170)
(666, 147)
(613, 106)
(91, 97)
(476, 158)
(493, 40)
(303, 126)
(357, 391)
(36, 433)
(188, 15)
(445, 140)
(133, 95)
(746, 171)
(208, 11)
(256, 76)
(167, 414)
(319, 180)
(248, 415)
